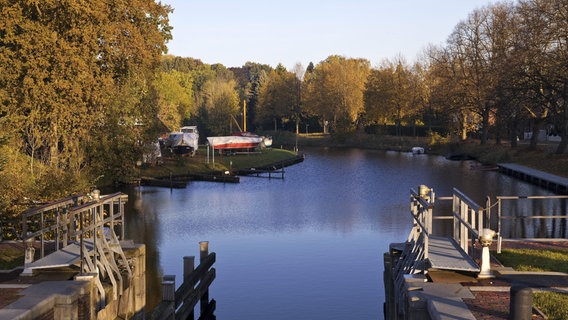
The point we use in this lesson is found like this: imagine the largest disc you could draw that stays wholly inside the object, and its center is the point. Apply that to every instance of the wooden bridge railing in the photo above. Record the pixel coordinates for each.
(180, 303)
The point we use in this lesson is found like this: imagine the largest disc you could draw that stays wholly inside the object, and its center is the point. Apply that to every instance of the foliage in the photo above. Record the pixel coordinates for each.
(11, 258)
(279, 96)
(220, 103)
(176, 103)
(434, 138)
(74, 76)
(393, 93)
(334, 91)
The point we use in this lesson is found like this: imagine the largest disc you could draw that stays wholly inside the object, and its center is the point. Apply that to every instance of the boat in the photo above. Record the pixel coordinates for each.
(185, 141)
(417, 150)
(266, 140)
(234, 143)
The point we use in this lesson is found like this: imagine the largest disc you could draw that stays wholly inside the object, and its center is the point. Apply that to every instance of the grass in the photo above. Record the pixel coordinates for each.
(200, 164)
(11, 258)
(554, 305)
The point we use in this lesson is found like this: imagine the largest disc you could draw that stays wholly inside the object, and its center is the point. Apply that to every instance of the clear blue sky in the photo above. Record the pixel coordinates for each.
(233, 32)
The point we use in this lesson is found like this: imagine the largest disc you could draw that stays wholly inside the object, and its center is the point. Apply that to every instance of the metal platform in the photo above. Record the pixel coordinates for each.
(67, 256)
(444, 253)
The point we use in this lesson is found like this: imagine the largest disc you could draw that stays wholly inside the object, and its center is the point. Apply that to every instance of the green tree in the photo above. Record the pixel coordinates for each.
(176, 103)
(76, 77)
(221, 102)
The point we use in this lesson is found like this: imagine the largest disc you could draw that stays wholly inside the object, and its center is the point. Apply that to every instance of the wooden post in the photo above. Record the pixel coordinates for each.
(169, 295)
(188, 267)
(203, 253)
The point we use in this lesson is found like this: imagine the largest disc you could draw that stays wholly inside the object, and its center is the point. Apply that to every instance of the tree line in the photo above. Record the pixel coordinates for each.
(84, 89)
(502, 72)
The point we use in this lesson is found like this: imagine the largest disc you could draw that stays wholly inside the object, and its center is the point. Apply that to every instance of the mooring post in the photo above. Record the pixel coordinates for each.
(203, 253)
(169, 295)
(188, 267)
(520, 307)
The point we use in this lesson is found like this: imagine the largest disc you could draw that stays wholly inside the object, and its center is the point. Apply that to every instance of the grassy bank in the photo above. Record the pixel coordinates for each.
(204, 163)
(554, 305)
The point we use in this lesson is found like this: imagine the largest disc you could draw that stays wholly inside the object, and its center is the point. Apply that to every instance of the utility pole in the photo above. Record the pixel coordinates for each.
(244, 116)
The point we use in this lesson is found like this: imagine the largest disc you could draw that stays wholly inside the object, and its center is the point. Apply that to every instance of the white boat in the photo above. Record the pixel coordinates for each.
(417, 150)
(234, 142)
(185, 141)
(267, 141)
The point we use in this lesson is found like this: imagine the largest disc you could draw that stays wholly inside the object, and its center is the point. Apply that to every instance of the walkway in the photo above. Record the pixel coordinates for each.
(544, 179)
(445, 253)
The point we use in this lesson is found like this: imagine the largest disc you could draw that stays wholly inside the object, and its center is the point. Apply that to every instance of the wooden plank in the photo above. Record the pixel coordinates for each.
(445, 254)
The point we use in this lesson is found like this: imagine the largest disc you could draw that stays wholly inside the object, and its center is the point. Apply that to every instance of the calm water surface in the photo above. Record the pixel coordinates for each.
(309, 246)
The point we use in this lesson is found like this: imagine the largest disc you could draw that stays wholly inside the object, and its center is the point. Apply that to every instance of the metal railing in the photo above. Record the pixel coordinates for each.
(469, 219)
(500, 200)
(91, 223)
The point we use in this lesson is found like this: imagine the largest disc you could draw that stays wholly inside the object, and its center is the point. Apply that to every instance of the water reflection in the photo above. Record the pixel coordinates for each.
(309, 246)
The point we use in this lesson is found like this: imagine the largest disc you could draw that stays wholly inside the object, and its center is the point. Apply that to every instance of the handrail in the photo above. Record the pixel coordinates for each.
(467, 200)
(64, 218)
(468, 218)
(500, 217)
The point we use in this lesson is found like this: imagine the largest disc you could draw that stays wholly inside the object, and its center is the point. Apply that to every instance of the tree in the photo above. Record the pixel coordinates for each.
(393, 94)
(76, 76)
(542, 46)
(176, 103)
(278, 97)
(221, 102)
(334, 91)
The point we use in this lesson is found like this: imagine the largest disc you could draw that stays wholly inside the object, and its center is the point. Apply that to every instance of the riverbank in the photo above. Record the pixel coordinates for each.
(491, 153)
(204, 164)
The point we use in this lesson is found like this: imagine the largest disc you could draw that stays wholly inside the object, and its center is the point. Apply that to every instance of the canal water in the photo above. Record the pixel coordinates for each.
(308, 246)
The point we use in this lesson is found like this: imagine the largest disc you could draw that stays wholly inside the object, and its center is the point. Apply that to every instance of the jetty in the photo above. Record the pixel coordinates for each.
(86, 269)
(273, 170)
(540, 178)
(444, 270)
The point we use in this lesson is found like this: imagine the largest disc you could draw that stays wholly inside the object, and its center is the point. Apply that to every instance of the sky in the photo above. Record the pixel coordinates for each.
(233, 32)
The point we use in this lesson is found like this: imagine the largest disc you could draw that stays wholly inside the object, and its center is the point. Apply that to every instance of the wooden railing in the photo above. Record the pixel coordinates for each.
(180, 303)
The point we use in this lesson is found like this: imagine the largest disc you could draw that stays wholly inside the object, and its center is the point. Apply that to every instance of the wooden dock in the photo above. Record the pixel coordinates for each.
(181, 180)
(543, 179)
(274, 170)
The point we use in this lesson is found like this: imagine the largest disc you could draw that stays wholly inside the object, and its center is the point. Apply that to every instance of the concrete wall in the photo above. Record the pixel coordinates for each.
(77, 299)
